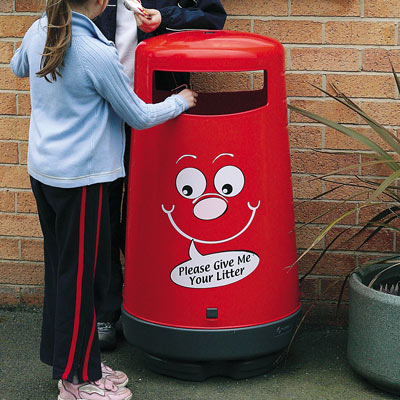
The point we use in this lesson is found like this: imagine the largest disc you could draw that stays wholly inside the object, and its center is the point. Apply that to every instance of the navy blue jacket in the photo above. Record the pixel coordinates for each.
(175, 14)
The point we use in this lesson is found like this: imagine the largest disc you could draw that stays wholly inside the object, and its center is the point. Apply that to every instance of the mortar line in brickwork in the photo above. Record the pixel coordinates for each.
(341, 46)
(315, 18)
(354, 98)
(40, 263)
(287, 61)
(362, 8)
(350, 124)
(22, 14)
(360, 61)
(289, 7)
(16, 104)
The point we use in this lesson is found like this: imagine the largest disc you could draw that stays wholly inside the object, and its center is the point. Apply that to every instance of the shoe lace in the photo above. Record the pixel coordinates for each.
(104, 325)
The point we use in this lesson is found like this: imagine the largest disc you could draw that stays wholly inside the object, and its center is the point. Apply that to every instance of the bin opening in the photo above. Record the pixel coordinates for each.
(219, 92)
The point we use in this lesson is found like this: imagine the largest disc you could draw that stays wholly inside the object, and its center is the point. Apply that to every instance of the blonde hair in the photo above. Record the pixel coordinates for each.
(59, 36)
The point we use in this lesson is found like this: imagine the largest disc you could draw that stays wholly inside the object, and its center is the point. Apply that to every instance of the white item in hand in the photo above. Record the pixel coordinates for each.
(136, 6)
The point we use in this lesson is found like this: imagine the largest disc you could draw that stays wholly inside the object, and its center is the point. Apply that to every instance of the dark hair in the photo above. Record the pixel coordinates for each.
(59, 36)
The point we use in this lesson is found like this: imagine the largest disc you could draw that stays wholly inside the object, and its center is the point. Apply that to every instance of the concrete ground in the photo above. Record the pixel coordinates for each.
(316, 369)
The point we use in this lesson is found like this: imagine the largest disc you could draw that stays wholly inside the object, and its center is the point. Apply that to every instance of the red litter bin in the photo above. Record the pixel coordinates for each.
(210, 226)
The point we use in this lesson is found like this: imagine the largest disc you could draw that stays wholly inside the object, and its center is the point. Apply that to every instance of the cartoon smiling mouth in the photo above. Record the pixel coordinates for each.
(169, 213)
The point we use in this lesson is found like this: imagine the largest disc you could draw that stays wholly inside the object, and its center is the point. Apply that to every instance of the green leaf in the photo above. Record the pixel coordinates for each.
(384, 185)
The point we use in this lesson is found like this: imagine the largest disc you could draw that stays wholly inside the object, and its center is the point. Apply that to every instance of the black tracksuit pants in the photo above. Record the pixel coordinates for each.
(76, 230)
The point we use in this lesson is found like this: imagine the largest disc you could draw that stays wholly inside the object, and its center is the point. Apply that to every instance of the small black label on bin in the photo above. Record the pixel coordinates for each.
(212, 313)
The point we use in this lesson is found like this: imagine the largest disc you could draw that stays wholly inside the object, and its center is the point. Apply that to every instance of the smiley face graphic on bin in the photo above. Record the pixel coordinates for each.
(228, 183)
(211, 207)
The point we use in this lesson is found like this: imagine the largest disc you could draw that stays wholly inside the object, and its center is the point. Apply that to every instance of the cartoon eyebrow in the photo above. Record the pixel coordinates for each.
(185, 155)
(223, 154)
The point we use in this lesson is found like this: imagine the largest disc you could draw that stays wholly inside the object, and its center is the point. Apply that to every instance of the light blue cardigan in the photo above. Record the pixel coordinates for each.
(76, 134)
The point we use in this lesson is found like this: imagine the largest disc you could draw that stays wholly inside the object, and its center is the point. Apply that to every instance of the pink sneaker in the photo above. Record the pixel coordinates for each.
(118, 378)
(103, 389)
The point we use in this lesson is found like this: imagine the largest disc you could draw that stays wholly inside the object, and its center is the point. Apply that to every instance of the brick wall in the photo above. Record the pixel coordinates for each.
(346, 42)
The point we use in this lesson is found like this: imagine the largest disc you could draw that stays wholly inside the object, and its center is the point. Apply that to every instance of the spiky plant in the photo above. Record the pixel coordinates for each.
(372, 191)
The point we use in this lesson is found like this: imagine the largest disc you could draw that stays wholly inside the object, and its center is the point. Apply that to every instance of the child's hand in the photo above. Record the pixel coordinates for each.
(190, 96)
(148, 24)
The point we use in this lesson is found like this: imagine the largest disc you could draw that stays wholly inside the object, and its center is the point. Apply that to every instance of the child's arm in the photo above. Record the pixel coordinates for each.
(19, 63)
(106, 73)
(188, 14)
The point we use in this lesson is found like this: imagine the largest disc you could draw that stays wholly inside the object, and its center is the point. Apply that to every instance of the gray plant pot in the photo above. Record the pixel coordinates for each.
(373, 348)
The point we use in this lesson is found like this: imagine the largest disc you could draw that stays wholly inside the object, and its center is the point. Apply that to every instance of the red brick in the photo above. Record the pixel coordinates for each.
(305, 236)
(32, 249)
(260, 7)
(14, 128)
(301, 84)
(331, 264)
(9, 249)
(381, 242)
(353, 85)
(6, 51)
(241, 25)
(321, 163)
(309, 288)
(367, 213)
(337, 140)
(30, 5)
(26, 202)
(353, 188)
(6, 6)
(21, 273)
(352, 32)
(305, 136)
(24, 104)
(379, 60)
(326, 8)
(221, 81)
(8, 81)
(324, 59)
(329, 109)
(25, 225)
(382, 8)
(7, 201)
(8, 152)
(304, 187)
(9, 295)
(290, 31)
(323, 212)
(379, 170)
(331, 289)
(15, 26)
(23, 153)
(14, 177)
(326, 313)
(385, 112)
(32, 296)
(7, 103)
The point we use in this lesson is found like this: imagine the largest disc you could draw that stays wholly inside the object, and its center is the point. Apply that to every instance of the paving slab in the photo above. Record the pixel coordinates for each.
(315, 369)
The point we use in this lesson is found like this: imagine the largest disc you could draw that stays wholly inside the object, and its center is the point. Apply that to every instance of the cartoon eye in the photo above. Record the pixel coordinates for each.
(191, 183)
(229, 181)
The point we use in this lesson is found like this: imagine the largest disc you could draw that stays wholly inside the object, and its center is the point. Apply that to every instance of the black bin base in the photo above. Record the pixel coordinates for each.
(200, 371)
(197, 354)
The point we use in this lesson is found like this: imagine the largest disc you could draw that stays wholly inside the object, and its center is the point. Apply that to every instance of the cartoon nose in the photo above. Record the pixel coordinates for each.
(210, 208)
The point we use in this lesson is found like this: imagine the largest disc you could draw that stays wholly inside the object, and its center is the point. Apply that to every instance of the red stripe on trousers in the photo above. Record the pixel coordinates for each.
(89, 347)
(78, 297)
